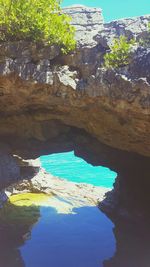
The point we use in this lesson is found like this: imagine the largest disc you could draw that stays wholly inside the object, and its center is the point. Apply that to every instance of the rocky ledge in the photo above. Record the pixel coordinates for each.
(78, 194)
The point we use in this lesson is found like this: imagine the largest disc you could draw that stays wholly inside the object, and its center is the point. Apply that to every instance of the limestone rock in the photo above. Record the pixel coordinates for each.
(39, 85)
(9, 170)
(131, 27)
(87, 21)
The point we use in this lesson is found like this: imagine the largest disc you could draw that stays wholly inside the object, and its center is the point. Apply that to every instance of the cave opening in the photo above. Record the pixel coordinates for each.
(60, 138)
(76, 227)
(56, 137)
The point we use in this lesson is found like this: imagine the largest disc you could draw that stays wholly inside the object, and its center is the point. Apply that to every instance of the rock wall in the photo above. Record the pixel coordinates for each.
(38, 84)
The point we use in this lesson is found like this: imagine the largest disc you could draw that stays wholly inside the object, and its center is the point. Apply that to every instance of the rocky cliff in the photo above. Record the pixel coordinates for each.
(38, 84)
(54, 102)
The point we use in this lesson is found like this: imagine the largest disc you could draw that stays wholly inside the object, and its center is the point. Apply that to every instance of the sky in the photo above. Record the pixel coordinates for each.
(115, 9)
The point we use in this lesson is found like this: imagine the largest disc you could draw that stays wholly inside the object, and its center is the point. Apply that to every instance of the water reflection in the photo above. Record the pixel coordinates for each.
(81, 238)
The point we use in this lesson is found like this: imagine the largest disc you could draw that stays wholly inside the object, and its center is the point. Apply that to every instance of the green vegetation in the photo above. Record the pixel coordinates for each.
(146, 40)
(36, 20)
(119, 55)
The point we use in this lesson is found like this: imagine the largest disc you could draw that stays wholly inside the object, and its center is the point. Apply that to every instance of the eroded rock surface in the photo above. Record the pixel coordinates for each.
(38, 84)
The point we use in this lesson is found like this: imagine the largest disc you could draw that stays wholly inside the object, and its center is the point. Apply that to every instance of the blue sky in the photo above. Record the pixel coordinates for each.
(115, 9)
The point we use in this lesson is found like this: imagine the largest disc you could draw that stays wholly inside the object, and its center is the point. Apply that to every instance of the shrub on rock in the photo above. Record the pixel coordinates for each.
(36, 20)
(119, 54)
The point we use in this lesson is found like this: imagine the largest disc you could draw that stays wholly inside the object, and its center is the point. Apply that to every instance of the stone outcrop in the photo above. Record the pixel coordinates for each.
(88, 22)
(38, 84)
(9, 169)
(54, 102)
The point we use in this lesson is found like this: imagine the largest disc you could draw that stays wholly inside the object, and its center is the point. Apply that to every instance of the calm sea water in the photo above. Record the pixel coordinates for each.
(83, 239)
(67, 165)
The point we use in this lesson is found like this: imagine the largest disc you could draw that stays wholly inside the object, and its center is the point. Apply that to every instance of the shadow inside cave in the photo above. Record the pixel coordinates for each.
(132, 246)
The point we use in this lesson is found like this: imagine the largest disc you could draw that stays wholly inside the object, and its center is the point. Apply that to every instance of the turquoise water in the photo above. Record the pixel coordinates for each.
(116, 9)
(83, 239)
(67, 165)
